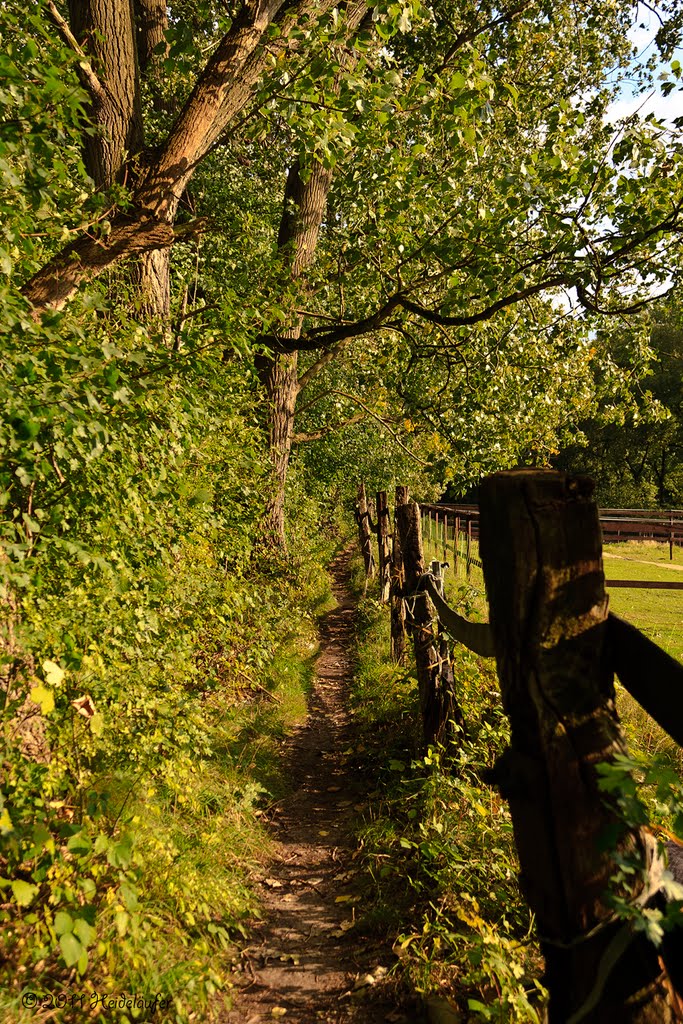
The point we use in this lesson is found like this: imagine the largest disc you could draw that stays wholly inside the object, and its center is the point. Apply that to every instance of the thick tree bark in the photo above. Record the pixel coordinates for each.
(222, 90)
(153, 279)
(302, 214)
(105, 31)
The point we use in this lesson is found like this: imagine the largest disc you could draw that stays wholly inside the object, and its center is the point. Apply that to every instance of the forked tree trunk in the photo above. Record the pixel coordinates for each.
(222, 90)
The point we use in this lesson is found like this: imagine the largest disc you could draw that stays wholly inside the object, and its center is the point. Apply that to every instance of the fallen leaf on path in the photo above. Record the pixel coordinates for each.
(278, 1011)
(323, 833)
(344, 927)
(345, 899)
(333, 789)
(272, 883)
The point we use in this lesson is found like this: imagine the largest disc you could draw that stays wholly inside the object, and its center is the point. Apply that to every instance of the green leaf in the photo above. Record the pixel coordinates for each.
(63, 922)
(85, 932)
(71, 948)
(23, 892)
(97, 724)
(42, 696)
(121, 921)
(79, 844)
(53, 673)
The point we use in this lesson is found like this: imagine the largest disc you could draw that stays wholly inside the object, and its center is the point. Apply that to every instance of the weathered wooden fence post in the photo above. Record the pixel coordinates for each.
(398, 615)
(384, 553)
(364, 531)
(541, 551)
(438, 702)
(468, 549)
(456, 541)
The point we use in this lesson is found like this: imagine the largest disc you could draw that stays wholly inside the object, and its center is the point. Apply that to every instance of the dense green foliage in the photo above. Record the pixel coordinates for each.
(144, 622)
(634, 448)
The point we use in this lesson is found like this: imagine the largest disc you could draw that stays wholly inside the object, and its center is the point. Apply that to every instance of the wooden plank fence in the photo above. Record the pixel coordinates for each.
(557, 649)
(618, 524)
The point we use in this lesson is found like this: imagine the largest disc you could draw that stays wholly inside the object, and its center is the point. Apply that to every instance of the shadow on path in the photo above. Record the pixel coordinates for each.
(305, 964)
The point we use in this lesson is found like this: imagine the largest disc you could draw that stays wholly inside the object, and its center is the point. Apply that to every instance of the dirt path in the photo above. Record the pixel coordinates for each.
(643, 561)
(305, 963)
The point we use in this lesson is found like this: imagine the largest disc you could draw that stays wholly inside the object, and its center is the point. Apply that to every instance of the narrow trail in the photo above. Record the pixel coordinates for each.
(305, 964)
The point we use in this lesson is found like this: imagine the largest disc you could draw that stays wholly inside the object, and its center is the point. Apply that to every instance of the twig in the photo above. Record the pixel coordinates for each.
(85, 68)
(258, 686)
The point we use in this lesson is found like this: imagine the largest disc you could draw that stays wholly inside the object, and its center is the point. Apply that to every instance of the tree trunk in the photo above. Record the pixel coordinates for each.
(221, 92)
(152, 21)
(302, 214)
(153, 272)
(153, 279)
(105, 30)
(282, 385)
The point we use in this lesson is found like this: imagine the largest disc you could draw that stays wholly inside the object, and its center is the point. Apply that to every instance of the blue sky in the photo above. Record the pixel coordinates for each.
(667, 107)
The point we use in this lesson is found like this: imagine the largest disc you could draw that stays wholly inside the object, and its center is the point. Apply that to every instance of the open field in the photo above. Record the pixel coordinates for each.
(657, 613)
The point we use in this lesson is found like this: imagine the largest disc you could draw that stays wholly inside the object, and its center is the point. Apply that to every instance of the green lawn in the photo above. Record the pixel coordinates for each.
(657, 613)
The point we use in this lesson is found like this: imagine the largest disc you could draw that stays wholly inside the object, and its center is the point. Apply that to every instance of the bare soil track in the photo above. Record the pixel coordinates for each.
(306, 963)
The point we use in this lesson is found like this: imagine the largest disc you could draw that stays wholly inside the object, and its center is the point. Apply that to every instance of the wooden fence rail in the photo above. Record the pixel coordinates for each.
(618, 525)
(557, 649)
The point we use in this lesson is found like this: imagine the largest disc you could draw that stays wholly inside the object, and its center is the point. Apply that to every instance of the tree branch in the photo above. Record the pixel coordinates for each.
(375, 416)
(318, 434)
(84, 69)
(315, 368)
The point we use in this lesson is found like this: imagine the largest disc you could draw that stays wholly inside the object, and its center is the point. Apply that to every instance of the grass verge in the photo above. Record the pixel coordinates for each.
(437, 844)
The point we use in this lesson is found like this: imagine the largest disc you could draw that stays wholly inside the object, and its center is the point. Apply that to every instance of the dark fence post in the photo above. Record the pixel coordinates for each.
(398, 615)
(384, 559)
(468, 550)
(438, 703)
(541, 551)
(364, 531)
(456, 541)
